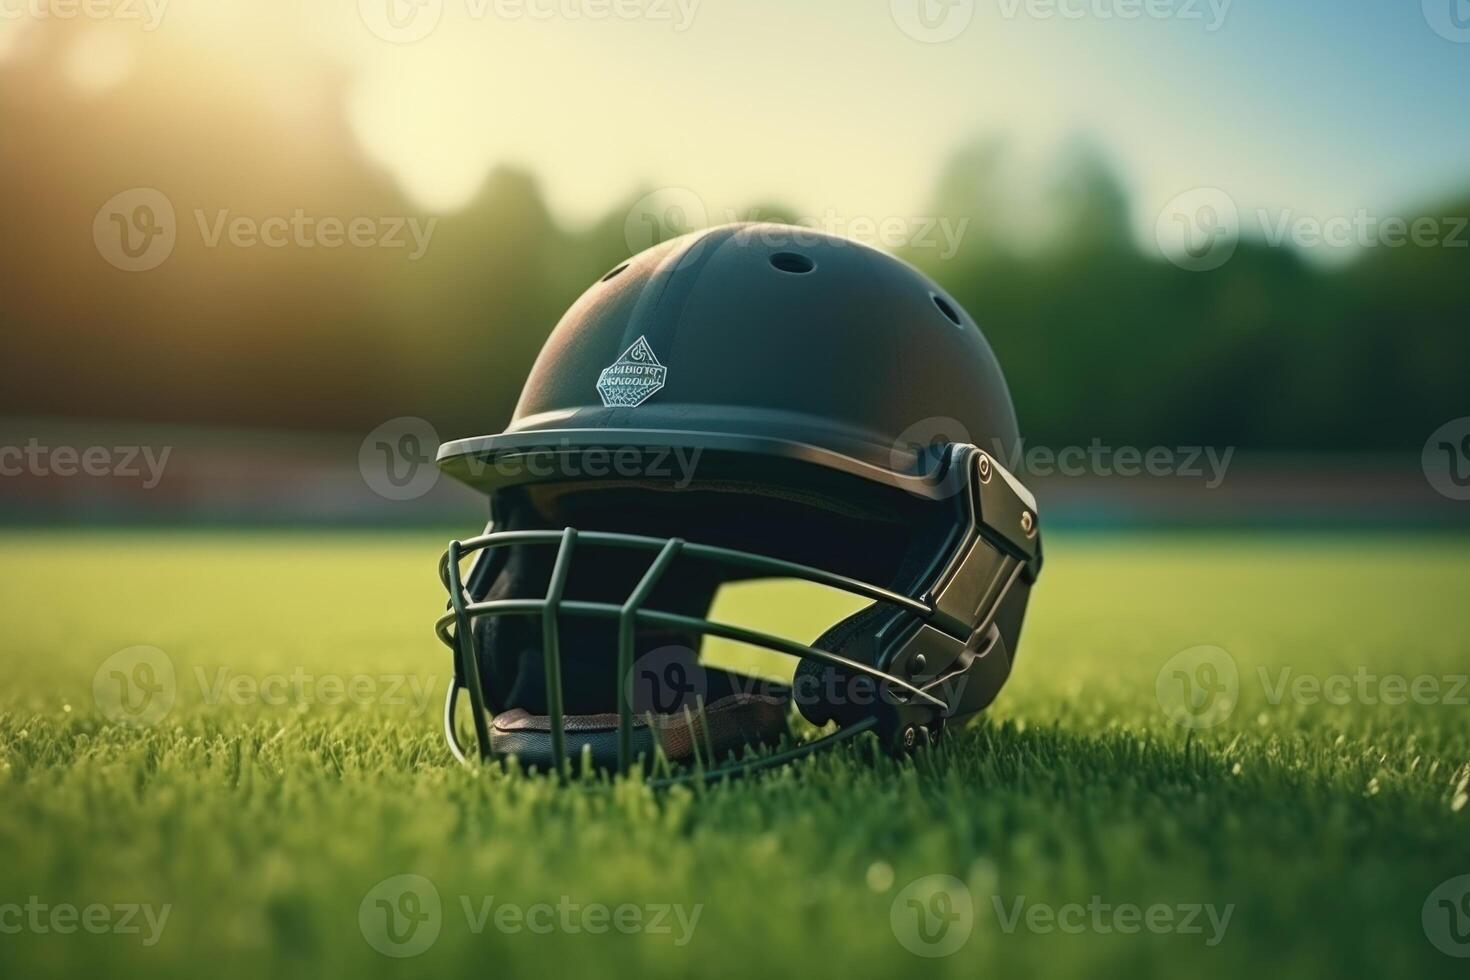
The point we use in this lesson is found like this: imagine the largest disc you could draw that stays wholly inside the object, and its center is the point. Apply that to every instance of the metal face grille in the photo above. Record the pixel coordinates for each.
(454, 629)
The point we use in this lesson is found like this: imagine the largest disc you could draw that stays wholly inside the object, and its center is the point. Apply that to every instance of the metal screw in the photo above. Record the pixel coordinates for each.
(909, 735)
(918, 665)
(1028, 523)
(984, 468)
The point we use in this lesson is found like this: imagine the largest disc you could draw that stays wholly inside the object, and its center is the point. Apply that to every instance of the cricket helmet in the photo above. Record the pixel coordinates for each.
(751, 401)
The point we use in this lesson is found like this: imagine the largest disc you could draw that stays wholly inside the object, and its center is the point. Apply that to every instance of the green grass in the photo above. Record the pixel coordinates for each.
(264, 826)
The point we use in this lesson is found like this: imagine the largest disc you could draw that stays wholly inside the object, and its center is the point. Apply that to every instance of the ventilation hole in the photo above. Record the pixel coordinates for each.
(947, 310)
(615, 271)
(793, 262)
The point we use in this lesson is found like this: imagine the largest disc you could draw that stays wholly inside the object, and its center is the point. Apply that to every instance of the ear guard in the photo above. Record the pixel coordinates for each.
(958, 651)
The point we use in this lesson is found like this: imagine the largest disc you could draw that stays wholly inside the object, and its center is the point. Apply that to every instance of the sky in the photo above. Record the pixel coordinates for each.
(854, 106)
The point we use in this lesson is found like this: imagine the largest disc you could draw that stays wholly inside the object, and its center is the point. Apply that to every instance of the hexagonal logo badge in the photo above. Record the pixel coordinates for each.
(633, 378)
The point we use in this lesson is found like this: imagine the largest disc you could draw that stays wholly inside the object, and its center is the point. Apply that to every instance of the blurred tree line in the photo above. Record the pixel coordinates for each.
(1099, 338)
(1267, 351)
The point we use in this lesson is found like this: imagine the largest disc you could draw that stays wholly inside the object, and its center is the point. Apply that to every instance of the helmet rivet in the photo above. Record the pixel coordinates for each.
(984, 468)
(1028, 523)
(918, 665)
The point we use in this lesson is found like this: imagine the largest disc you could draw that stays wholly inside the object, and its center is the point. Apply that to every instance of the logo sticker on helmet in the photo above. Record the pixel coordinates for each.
(633, 378)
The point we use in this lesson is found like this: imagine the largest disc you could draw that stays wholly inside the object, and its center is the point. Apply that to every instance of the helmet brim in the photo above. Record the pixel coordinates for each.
(496, 462)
